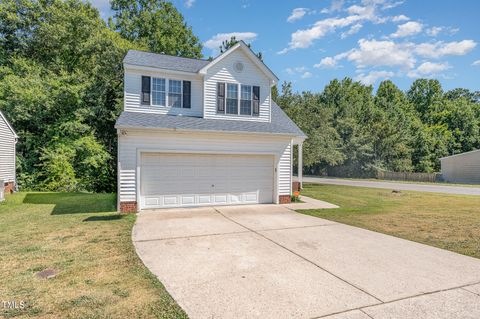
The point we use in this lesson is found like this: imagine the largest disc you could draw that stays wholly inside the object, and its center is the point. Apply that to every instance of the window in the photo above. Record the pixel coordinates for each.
(158, 92)
(232, 98)
(174, 93)
(246, 100)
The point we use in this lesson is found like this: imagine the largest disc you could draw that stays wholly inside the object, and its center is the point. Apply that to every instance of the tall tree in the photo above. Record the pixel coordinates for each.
(426, 96)
(156, 24)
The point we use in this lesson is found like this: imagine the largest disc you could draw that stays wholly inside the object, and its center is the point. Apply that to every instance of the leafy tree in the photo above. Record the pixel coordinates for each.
(155, 24)
(425, 95)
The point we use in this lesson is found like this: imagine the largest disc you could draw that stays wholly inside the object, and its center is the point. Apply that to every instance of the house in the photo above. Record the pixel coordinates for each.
(461, 168)
(8, 139)
(196, 132)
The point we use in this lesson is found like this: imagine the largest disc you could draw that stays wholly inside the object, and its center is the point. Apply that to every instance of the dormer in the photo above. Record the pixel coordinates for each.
(234, 86)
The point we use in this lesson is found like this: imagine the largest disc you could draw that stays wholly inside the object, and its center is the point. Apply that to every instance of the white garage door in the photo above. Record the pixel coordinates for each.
(173, 180)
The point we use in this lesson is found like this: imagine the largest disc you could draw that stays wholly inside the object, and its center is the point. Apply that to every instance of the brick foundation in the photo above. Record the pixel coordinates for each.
(9, 187)
(296, 187)
(284, 199)
(128, 207)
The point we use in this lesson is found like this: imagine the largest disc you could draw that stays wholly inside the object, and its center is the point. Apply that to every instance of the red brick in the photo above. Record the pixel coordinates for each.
(296, 187)
(9, 187)
(128, 207)
(284, 199)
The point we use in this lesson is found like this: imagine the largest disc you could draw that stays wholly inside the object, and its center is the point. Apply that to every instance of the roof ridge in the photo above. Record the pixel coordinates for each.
(174, 56)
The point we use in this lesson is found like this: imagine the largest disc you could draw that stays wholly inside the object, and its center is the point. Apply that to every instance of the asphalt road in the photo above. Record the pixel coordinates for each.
(393, 185)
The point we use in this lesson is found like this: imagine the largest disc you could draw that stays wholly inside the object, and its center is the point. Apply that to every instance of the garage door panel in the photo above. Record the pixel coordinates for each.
(171, 180)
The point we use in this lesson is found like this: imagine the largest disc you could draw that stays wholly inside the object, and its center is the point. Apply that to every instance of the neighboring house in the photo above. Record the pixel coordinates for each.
(462, 168)
(8, 139)
(197, 132)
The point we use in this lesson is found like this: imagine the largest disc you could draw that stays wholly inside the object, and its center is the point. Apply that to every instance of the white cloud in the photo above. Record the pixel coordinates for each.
(298, 69)
(373, 76)
(189, 3)
(380, 53)
(440, 48)
(353, 29)
(304, 38)
(434, 31)
(216, 41)
(428, 69)
(407, 29)
(297, 14)
(327, 63)
(476, 63)
(306, 75)
(400, 18)
(336, 5)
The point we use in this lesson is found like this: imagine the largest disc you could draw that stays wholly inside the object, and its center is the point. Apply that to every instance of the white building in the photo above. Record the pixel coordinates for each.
(8, 140)
(462, 168)
(197, 132)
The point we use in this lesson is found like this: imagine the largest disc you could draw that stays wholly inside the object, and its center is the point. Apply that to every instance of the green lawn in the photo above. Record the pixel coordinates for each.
(447, 221)
(82, 237)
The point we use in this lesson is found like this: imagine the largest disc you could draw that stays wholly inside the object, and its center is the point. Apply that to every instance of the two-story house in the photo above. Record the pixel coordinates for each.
(195, 132)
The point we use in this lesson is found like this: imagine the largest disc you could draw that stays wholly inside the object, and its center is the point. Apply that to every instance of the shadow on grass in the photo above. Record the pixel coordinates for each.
(103, 218)
(74, 203)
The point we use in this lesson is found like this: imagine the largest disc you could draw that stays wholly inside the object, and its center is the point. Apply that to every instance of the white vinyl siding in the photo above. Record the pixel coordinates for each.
(133, 90)
(224, 71)
(7, 152)
(462, 168)
(134, 142)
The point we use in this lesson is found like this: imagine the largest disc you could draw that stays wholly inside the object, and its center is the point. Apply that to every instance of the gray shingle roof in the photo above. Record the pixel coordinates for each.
(281, 124)
(164, 61)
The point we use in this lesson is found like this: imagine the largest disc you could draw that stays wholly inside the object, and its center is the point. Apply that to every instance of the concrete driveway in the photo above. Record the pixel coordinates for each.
(431, 188)
(267, 261)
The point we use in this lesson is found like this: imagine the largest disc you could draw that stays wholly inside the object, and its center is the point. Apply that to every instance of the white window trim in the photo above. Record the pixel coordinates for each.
(239, 98)
(151, 92)
(167, 91)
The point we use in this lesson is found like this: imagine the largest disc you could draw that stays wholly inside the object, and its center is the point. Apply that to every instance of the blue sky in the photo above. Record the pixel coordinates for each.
(312, 42)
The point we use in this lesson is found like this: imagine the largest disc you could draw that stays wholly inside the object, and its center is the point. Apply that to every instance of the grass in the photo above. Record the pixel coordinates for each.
(450, 222)
(82, 237)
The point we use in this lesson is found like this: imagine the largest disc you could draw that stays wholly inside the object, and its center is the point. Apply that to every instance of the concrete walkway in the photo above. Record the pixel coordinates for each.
(309, 203)
(393, 185)
(266, 261)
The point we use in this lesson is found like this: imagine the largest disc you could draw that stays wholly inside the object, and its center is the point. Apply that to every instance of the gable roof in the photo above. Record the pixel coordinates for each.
(191, 65)
(248, 51)
(8, 124)
(163, 61)
(280, 123)
(461, 154)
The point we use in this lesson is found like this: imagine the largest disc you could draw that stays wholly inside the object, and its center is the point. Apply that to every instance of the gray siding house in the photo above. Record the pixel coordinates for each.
(462, 168)
(8, 139)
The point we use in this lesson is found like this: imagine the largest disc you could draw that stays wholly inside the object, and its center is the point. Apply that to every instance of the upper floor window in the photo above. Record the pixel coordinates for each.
(238, 99)
(232, 98)
(174, 93)
(246, 100)
(166, 92)
(158, 92)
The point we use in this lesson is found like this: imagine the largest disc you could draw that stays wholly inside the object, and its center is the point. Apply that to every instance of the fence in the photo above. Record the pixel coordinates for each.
(405, 176)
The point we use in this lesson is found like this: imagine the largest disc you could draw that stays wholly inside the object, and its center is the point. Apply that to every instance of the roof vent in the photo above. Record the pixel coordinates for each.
(238, 66)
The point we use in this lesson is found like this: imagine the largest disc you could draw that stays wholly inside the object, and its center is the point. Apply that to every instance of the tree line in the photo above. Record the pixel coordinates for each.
(353, 131)
(61, 86)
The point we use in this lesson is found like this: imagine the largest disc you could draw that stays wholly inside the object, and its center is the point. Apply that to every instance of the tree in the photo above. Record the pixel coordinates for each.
(425, 95)
(227, 44)
(155, 24)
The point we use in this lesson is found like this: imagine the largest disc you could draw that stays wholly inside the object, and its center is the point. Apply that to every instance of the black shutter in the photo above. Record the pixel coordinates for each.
(220, 97)
(256, 101)
(146, 90)
(187, 96)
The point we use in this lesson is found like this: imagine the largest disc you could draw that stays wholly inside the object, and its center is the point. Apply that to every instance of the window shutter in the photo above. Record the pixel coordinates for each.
(146, 90)
(220, 97)
(256, 101)
(187, 96)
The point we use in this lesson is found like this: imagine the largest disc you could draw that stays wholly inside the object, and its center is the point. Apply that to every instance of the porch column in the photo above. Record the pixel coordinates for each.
(300, 164)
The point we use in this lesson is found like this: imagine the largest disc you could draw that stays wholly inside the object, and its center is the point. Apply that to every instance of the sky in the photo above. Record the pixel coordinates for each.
(311, 42)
